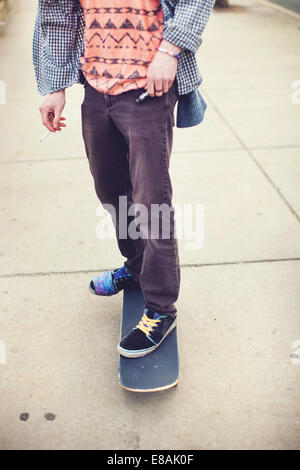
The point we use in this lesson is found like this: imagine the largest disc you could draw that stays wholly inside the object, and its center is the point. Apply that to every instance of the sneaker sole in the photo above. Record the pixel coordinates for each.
(144, 352)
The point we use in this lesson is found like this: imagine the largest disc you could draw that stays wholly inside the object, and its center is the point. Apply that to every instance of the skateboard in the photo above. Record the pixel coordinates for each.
(158, 370)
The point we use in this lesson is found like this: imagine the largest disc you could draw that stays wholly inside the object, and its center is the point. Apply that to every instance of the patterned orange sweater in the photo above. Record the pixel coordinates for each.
(120, 41)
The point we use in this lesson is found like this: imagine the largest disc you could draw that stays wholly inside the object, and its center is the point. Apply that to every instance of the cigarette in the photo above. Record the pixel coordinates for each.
(45, 136)
(142, 97)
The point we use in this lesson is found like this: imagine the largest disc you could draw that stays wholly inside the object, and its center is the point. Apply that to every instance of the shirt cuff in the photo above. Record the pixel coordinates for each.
(182, 38)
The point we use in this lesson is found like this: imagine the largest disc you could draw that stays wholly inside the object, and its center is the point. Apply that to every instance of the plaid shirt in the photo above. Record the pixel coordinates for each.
(58, 46)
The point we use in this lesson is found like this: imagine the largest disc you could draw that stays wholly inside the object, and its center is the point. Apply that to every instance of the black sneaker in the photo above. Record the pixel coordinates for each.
(147, 335)
(112, 282)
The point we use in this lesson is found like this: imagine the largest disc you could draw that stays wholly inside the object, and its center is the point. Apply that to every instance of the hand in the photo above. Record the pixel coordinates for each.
(51, 111)
(162, 70)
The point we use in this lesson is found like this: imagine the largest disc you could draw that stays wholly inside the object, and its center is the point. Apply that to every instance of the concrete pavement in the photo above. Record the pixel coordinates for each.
(239, 300)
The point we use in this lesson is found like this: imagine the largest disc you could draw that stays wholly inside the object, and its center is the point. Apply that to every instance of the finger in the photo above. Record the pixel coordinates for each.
(165, 85)
(61, 123)
(46, 120)
(150, 86)
(57, 117)
(158, 87)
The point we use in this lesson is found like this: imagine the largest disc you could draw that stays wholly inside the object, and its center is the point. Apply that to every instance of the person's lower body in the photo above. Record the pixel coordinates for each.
(128, 146)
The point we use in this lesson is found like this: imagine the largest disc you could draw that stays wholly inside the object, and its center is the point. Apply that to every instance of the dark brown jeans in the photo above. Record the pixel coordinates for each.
(128, 146)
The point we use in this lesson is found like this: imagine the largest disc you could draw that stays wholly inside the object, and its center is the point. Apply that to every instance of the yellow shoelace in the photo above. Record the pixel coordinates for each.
(146, 324)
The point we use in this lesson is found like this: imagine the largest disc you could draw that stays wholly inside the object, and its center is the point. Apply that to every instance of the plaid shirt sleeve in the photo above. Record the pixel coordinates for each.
(186, 26)
(57, 44)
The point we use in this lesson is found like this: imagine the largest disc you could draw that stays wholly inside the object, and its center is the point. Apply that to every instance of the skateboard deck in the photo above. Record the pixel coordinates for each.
(158, 370)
